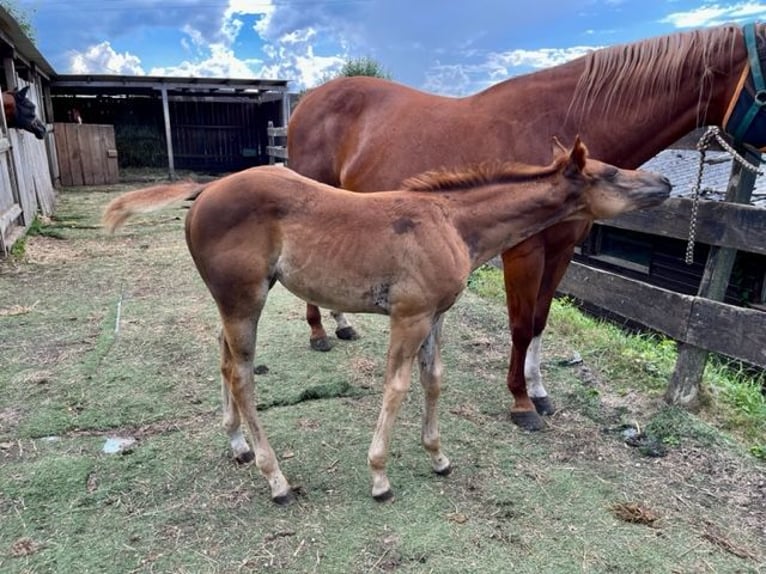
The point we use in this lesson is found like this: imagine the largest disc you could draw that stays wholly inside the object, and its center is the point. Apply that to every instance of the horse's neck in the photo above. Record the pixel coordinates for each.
(625, 135)
(494, 217)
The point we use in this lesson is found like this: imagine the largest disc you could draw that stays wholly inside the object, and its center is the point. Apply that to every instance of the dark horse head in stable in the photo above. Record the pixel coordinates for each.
(20, 112)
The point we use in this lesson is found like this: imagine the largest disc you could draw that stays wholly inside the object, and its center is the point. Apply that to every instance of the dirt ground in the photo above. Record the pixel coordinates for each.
(114, 337)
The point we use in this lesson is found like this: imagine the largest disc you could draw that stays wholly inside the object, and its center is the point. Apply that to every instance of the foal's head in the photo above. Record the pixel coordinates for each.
(609, 191)
(20, 112)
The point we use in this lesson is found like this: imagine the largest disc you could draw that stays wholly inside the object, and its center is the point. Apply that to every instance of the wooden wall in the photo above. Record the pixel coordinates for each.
(87, 154)
(26, 187)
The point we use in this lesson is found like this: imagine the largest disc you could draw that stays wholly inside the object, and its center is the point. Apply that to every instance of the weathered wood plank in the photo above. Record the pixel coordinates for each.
(733, 331)
(277, 151)
(9, 216)
(719, 223)
(276, 132)
(654, 307)
(694, 321)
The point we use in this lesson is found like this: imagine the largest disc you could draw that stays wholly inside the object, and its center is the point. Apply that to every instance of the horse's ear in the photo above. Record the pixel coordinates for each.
(22, 93)
(577, 157)
(558, 149)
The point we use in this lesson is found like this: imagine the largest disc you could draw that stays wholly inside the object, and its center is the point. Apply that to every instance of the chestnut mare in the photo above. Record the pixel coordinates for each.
(407, 254)
(629, 102)
(20, 112)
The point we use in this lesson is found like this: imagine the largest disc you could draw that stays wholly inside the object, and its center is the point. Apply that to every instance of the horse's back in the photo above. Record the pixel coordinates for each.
(347, 132)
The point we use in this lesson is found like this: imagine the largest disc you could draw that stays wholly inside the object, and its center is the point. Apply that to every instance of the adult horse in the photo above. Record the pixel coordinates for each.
(20, 112)
(629, 102)
(406, 254)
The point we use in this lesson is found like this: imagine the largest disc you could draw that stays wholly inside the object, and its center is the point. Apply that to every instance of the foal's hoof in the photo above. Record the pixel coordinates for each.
(245, 457)
(384, 496)
(527, 420)
(347, 334)
(544, 406)
(284, 499)
(446, 471)
(321, 344)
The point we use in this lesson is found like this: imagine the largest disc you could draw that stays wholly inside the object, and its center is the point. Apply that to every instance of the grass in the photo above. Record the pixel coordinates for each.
(72, 375)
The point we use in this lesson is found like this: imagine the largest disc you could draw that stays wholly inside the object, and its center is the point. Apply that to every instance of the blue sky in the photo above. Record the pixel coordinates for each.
(452, 47)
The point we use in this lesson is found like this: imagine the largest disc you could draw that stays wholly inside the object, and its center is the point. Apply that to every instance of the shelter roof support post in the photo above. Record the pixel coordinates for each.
(10, 72)
(168, 132)
(683, 389)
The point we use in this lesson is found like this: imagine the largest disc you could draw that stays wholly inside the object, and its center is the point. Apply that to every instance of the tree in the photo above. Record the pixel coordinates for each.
(363, 66)
(22, 16)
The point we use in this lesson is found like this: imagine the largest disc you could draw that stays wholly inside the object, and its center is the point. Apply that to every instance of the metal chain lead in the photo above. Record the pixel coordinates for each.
(702, 145)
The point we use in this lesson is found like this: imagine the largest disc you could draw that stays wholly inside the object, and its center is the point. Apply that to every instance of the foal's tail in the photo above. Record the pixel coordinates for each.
(147, 200)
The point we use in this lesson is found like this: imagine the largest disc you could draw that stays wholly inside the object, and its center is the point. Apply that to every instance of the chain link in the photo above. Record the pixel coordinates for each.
(713, 132)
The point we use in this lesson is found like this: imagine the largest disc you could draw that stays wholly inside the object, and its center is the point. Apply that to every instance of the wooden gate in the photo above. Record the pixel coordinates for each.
(87, 154)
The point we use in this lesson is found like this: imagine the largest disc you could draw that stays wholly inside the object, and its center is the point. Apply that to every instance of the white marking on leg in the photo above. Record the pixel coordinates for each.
(532, 372)
(238, 443)
(340, 320)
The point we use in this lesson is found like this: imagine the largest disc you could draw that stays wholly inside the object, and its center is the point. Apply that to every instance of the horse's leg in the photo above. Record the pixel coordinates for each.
(237, 354)
(231, 418)
(430, 362)
(555, 268)
(318, 338)
(523, 271)
(344, 330)
(407, 335)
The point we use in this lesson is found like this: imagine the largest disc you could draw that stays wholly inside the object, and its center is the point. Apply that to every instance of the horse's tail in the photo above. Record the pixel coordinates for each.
(147, 200)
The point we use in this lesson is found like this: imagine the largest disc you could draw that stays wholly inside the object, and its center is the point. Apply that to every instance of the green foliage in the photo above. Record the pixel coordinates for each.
(487, 281)
(23, 17)
(140, 146)
(364, 66)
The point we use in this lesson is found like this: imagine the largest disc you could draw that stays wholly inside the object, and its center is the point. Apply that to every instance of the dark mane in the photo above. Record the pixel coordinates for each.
(621, 77)
(485, 173)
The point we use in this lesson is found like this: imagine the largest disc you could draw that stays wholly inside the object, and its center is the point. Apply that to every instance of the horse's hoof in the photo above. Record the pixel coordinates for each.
(544, 406)
(384, 496)
(321, 344)
(446, 471)
(347, 334)
(283, 499)
(245, 457)
(527, 420)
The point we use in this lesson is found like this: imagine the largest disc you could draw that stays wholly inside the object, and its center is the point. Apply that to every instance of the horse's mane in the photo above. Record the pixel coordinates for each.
(485, 173)
(621, 77)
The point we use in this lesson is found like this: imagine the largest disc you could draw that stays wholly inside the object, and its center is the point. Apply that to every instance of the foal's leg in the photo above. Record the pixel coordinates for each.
(523, 271)
(430, 361)
(237, 354)
(407, 335)
(231, 419)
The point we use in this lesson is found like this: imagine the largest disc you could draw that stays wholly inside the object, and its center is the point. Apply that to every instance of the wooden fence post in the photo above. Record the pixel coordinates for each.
(683, 389)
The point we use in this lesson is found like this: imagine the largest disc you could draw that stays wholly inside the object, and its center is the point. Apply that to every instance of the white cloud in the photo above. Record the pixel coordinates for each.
(102, 59)
(715, 14)
(501, 63)
(221, 62)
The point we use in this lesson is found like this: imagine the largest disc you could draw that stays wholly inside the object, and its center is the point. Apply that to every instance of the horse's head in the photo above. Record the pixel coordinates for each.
(609, 190)
(20, 113)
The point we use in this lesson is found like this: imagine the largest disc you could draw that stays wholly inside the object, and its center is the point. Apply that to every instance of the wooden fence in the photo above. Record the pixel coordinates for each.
(87, 154)
(276, 151)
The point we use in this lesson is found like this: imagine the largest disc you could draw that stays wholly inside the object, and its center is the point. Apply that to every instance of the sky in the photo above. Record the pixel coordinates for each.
(450, 47)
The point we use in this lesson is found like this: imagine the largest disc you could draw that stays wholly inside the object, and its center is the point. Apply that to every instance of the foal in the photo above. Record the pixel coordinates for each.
(408, 256)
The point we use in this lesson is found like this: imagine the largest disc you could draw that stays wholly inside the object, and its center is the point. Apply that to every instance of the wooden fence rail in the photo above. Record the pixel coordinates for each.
(730, 330)
(274, 151)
